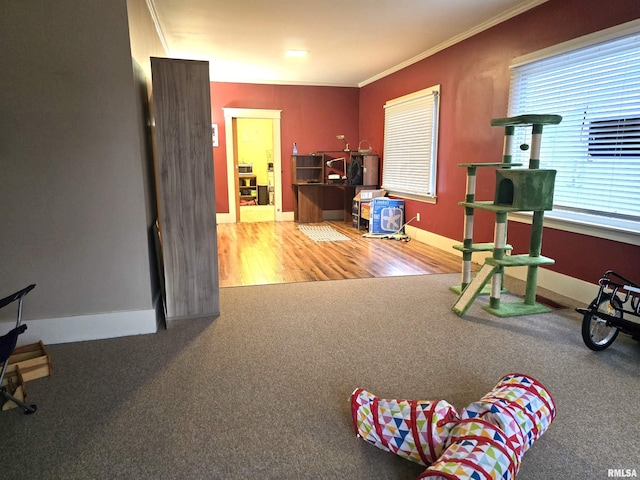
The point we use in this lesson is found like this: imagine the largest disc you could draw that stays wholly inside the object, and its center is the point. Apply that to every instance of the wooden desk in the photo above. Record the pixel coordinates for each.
(307, 200)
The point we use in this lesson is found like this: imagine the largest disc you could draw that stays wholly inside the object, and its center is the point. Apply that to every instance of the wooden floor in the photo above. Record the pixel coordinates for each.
(277, 252)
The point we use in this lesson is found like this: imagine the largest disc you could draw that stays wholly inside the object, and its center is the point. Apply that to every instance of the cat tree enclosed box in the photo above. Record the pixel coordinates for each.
(525, 190)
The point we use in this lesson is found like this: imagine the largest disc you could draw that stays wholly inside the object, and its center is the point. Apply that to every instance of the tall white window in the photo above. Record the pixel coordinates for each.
(410, 144)
(596, 147)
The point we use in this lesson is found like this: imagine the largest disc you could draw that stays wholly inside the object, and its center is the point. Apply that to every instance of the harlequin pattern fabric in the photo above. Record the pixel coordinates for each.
(413, 429)
(486, 441)
(476, 450)
(520, 405)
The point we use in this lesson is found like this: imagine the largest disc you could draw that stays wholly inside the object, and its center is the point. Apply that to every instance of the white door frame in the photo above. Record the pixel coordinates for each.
(229, 115)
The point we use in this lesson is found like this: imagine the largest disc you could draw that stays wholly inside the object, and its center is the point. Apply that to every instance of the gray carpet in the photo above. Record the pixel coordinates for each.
(261, 392)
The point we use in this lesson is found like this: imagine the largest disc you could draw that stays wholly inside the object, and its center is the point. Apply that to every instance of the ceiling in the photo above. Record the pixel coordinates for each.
(349, 42)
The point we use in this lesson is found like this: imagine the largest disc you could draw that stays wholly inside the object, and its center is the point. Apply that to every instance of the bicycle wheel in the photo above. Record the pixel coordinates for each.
(597, 335)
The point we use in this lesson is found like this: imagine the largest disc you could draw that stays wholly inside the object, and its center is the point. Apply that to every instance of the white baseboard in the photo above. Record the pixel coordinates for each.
(225, 218)
(437, 241)
(286, 217)
(583, 292)
(564, 285)
(86, 327)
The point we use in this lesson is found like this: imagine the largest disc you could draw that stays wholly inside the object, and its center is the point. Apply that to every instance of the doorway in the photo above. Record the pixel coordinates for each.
(254, 154)
(254, 171)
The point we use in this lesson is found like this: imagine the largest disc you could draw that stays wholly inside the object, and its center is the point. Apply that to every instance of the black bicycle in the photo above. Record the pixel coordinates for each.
(604, 318)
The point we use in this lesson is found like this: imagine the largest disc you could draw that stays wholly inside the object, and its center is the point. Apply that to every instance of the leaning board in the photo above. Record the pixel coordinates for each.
(472, 290)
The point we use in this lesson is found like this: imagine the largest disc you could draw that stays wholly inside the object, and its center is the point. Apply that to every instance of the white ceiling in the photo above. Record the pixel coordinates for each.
(350, 42)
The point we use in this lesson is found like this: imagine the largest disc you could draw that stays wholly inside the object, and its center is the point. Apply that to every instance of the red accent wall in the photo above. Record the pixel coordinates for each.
(311, 117)
(474, 79)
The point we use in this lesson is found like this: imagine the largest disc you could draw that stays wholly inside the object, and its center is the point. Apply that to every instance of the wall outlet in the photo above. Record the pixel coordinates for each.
(418, 217)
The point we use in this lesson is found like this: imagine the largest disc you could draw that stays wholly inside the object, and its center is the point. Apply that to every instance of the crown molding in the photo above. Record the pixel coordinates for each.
(521, 8)
(158, 24)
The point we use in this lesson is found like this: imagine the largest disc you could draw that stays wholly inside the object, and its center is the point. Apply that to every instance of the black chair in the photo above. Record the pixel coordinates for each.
(8, 344)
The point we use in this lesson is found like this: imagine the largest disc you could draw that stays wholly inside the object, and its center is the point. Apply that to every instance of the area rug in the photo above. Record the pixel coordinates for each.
(322, 233)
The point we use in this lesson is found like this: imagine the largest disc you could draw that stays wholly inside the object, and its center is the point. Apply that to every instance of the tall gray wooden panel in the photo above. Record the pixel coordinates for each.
(181, 108)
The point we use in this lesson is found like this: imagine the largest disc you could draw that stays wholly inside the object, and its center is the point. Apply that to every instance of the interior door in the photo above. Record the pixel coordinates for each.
(236, 179)
(231, 142)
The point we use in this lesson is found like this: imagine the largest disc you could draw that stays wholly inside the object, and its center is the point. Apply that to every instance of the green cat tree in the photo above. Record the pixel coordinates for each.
(516, 190)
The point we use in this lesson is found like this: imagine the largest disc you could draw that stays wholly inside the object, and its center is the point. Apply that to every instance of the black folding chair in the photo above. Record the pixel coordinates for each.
(8, 344)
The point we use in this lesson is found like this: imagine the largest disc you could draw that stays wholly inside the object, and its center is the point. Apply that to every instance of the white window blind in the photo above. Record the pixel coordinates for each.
(596, 147)
(410, 144)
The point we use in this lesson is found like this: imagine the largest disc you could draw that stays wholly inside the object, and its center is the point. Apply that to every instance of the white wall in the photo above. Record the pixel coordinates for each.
(72, 184)
(145, 41)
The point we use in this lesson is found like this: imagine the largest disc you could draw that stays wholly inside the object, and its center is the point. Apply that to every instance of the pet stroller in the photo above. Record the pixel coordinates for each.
(603, 318)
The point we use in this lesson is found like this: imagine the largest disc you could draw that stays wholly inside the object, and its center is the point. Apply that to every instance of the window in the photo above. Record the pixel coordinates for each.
(596, 147)
(410, 144)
